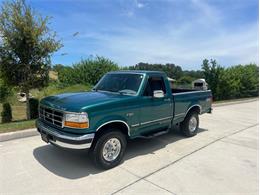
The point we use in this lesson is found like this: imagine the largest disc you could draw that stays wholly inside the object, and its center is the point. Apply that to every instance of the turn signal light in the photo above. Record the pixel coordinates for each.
(76, 125)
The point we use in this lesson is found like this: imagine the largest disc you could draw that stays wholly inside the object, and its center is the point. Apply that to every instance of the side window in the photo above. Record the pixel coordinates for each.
(154, 83)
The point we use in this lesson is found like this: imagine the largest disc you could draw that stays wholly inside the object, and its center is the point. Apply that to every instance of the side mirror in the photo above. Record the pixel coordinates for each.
(158, 94)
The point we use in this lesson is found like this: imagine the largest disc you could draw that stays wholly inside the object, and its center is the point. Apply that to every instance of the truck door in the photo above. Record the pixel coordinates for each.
(155, 113)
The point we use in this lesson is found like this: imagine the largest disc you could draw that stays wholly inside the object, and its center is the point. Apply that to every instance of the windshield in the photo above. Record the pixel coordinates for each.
(126, 84)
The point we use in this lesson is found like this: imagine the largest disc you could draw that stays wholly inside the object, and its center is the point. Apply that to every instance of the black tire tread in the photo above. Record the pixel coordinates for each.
(96, 148)
(185, 124)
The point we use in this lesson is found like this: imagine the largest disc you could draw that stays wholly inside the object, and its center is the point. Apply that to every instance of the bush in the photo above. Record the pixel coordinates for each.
(6, 114)
(5, 91)
(86, 71)
(233, 82)
(34, 103)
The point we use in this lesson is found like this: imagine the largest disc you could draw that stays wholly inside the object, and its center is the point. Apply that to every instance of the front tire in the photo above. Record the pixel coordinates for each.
(109, 149)
(190, 125)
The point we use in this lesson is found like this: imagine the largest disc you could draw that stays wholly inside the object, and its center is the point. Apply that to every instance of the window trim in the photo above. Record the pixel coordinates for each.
(147, 82)
(140, 86)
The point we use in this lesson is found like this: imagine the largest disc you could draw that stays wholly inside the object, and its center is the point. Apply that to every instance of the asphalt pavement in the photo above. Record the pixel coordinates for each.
(222, 158)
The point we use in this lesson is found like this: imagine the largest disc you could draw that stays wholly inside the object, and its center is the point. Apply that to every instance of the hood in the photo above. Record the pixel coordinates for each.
(79, 102)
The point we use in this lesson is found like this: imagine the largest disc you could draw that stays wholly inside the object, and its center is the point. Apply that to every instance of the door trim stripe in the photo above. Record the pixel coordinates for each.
(135, 125)
(161, 119)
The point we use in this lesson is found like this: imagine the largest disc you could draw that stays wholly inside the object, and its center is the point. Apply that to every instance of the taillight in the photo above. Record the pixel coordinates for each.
(210, 99)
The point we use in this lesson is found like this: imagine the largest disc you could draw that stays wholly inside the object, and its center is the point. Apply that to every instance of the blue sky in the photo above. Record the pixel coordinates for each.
(183, 32)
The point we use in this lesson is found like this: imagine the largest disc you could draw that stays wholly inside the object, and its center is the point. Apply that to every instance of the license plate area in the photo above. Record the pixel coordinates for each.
(45, 137)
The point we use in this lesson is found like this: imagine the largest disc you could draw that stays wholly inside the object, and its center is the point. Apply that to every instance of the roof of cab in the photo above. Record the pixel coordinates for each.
(139, 71)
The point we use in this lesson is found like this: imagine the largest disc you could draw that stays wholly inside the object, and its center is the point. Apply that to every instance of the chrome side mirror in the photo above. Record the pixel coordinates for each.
(158, 94)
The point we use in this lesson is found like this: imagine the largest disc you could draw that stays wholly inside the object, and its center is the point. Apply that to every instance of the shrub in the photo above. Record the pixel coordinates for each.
(34, 103)
(6, 114)
(5, 91)
(87, 71)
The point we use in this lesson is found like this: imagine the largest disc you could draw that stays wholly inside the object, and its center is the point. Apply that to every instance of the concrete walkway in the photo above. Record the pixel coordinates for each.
(222, 158)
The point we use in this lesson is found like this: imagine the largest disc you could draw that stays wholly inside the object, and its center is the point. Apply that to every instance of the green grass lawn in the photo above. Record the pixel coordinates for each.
(19, 122)
(17, 125)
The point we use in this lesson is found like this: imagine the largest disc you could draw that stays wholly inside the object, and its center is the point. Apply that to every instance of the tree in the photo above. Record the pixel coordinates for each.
(87, 71)
(232, 82)
(26, 46)
(212, 72)
(58, 67)
(240, 81)
(185, 80)
(172, 70)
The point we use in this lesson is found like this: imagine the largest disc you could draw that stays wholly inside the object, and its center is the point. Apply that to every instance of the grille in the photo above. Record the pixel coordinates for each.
(52, 116)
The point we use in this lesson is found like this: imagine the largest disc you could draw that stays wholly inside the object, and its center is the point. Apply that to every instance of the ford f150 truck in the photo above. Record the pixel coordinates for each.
(123, 105)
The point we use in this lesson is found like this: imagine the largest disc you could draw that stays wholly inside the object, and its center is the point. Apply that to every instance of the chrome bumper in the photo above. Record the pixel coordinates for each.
(53, 136)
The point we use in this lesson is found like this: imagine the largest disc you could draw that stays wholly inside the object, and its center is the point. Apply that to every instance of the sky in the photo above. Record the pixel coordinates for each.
(183, 32)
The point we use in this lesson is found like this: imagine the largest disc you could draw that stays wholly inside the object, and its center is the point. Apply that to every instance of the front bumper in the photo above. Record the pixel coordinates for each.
(58, 138)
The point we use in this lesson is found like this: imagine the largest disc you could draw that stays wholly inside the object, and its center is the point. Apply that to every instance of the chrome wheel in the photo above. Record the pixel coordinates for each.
(193, 123)
(111, 149)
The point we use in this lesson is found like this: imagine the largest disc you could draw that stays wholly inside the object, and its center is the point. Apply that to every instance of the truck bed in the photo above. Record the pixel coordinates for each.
(176, 90)
(185, 98)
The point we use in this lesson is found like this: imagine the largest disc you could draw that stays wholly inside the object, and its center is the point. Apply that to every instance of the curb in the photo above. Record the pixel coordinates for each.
(18, 134)
(34, 132)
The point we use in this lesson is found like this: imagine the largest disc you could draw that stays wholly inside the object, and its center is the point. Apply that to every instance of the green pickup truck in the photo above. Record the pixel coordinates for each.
(123, 105)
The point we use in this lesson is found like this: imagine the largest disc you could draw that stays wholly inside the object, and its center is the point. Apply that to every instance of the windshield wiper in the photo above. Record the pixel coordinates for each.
(106, 91)
(126, 93)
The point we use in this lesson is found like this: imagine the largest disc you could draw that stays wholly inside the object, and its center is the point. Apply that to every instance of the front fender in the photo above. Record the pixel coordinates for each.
(110, 119)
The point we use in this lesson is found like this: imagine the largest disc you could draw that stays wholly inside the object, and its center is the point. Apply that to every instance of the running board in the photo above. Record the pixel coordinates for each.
(152, 135)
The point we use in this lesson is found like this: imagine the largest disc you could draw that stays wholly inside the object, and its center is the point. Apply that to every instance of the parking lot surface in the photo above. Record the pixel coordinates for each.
(222, 158)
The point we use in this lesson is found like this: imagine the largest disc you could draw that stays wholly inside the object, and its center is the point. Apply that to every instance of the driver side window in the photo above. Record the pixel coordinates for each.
(154, 83)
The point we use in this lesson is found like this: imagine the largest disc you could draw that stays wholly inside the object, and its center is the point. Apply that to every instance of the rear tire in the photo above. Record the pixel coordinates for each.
(190, 125)
(109, 148)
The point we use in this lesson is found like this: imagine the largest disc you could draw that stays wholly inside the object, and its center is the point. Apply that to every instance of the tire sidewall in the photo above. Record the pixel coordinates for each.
(185, 126)
(98, 150)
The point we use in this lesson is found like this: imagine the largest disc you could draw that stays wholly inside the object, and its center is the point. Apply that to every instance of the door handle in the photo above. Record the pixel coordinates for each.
(167, 100)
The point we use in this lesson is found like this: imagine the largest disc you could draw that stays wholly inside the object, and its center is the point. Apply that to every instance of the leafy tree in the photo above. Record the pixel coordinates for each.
(66, 76)
(58, 67)
(240, 81)
(185, 80)
(25, 48)
(87, 71)
(171, 70)
(249, 80)
(232, 82)
(212, 73)
(196, 74)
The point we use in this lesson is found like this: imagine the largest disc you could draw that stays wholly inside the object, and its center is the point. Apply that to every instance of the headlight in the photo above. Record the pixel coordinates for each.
(76, 120)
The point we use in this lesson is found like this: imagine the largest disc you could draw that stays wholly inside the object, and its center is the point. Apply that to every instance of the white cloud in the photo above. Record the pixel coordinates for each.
(156, 47)
(185, 43)
(139, 4)
(130, 7)
(208, 13)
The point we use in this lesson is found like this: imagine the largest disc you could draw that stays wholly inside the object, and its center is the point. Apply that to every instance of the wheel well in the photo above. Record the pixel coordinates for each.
(117, 125)
(194, 109)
